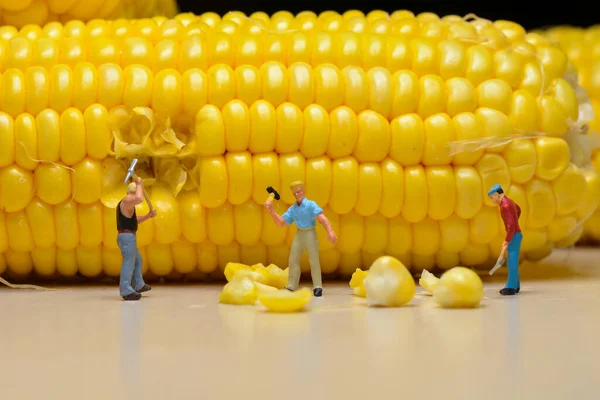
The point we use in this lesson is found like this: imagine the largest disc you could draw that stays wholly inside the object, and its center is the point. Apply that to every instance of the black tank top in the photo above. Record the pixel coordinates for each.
(124, 223)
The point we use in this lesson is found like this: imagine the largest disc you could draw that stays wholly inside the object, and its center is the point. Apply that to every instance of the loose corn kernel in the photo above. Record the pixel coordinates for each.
(388, 283)
(458, 287)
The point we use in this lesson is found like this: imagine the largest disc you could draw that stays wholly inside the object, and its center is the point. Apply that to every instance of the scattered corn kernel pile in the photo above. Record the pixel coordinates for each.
(388, 283)
(363, 109)
(251, 284)
(39, 12)
(582, 47)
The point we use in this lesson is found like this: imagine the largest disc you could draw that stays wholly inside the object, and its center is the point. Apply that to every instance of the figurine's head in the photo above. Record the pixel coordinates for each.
(298, 190)
(131, 188)
(495, 194)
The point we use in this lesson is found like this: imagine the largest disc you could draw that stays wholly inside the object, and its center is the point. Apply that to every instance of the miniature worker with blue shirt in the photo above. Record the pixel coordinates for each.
(304, 213)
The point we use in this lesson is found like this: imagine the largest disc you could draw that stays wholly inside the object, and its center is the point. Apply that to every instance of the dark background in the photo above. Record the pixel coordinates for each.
(530, 14)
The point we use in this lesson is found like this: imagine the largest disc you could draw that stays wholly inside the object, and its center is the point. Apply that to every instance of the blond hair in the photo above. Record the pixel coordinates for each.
(131, 187)
(297, 185)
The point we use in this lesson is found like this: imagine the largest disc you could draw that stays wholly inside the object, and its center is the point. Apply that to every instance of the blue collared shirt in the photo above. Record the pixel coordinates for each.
(305, 214)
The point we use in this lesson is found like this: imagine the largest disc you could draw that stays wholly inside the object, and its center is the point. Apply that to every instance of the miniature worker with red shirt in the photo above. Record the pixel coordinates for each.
(510, 212)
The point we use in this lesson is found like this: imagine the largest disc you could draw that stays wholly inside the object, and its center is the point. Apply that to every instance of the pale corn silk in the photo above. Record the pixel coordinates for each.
(142, 130)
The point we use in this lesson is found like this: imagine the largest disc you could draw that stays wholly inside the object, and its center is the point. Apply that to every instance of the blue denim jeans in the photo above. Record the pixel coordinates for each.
(514, 247)
(131, 269)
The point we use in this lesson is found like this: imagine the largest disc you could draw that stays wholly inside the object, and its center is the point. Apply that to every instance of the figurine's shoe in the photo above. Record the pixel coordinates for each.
(132, 296)
(318, 292)
(518, 289)
(287, 288)
(508, 292)
(145, 288)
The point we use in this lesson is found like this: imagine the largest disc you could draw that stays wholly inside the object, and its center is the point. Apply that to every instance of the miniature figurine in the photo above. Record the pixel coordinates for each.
(305, 213)
(510, 212)
(131, 281)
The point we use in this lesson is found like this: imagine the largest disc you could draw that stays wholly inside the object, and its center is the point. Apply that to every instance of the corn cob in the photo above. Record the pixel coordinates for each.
(31, 13)
(362, 108)
(582, 47)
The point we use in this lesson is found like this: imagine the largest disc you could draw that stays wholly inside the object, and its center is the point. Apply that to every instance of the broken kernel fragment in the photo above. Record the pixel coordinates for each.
(357, 282)
(277, 277)
(428, 281)
(233, 269)
(240, 291)
(285, 301)
(264, 288)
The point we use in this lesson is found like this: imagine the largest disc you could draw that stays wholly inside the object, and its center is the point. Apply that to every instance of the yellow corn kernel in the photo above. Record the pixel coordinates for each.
(438, 132)
(40, 216)
(416, 196)
(247, 219)
(467, 128)
(459, 287)
(369, 189)
(376, 234)
(441, 189)
(426, 237)
(389, 283)
(19, 263)
(16, 188)
(523, 111)
(541, 202)
(469, 191)
(493, 170)
(351, 232)
(53, 183)
(591, 198)
(26, 139)
(553, 157)
(461, 96)
(407, 139)
(454, 234)
(569, 188)
(483, 227)
(521, 158)
(44, 261)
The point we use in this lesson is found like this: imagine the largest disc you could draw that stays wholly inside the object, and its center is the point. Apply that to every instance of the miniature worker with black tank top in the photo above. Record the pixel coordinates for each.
(132, 282)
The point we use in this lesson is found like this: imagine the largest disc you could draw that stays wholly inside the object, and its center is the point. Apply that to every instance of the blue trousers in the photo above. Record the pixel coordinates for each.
(131, 269)
(514, 247)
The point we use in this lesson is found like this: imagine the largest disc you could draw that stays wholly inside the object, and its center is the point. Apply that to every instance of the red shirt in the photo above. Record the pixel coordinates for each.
(510, 212)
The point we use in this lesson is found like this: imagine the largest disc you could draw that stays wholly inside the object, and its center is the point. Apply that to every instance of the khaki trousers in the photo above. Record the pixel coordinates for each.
(306, 239)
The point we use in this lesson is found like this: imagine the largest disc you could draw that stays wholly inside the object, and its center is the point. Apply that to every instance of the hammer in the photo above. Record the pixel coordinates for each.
(131, 174)
(272, 194)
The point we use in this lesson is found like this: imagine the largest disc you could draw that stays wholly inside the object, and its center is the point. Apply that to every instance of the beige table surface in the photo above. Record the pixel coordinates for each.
(179, 343)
